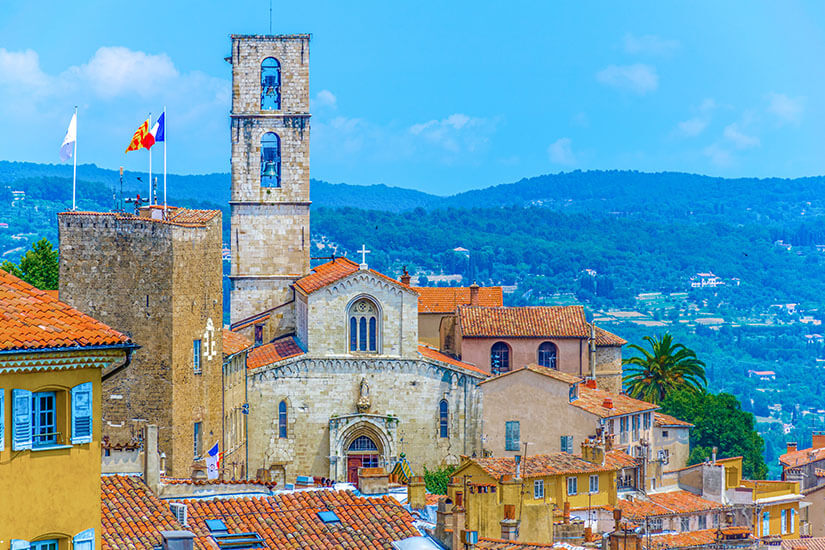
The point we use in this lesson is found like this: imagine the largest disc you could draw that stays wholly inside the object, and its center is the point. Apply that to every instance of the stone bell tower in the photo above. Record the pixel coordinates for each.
(270, 169)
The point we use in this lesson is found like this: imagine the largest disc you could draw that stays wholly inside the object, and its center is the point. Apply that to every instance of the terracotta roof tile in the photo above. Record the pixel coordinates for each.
(608, 339)
(290, 520)
(661, 419)
(436, 355)
(234, 342)
(335, 270)
(523, 322)
(133, 517)
(273, 352)
(183, 217)
(501, 544)
(812, 543)
(593, 400)
(680, 540)
(802, 457)
(620, 459)
(541, 465)
(433, 299)
(34, 319)
(663, 504)
(544, 371)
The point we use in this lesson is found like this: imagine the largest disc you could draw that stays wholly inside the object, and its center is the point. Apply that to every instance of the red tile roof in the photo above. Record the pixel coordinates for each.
(608, 339)
(541, 465)
(523, 322)
(802, 457)
(663, 504)
(34, 319)
(680, 540)
(290, 520)
(620, 459)
(335, 270)
(273, 352)
(501, 544)
(431, 353)
(593, 401)
(432, 299)
(133, 517)
(665, 420)
(544, 371)
(234, 342)
(183, 217)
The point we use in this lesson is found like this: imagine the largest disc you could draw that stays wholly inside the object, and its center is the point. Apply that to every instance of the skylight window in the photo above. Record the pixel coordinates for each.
(328, 516)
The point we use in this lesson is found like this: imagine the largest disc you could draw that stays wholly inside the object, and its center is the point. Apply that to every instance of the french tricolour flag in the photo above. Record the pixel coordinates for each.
(156, 133)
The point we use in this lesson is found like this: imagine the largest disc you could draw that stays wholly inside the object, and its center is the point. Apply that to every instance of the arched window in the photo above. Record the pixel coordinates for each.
(270, 84)
(363, 326)
(270, 160)
(499, 358)
(363, 444)
(282, 419)
(547, 355)
(443, 418)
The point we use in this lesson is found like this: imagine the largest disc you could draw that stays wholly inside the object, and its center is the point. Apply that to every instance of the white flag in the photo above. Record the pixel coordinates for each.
(68, 141)
(212, 467)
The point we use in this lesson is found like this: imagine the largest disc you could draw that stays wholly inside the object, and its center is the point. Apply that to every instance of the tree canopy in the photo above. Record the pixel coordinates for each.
(719, 422)
(666, 368)
(38, 266)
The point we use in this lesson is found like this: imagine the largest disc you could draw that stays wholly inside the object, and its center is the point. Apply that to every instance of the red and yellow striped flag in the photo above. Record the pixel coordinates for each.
(137, 139)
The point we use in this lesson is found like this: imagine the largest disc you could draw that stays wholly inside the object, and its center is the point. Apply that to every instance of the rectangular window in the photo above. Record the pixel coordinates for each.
(196, 355)
(198, 439)
(792, 526)
(567, 444)
(647, 421)
(623, 424)
(594, 484)
(766, 523)
(685, 525)
(783, 521)
(715, 521)
(512, 436)
(44, 419)
(44, 545)
(703, 522)
(664, 434)
(538, 489)
(572, 486)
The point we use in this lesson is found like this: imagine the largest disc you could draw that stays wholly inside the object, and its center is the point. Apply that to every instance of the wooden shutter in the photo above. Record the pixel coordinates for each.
(21, 414)
(84, 540)
(82, 409)
(17, 544)
(2, 419)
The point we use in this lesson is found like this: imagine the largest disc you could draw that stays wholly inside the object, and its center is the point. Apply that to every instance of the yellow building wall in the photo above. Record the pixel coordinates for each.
(768, 489)
(51, 494)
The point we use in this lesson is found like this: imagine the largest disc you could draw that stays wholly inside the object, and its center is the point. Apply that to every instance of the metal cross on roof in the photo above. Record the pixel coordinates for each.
(363, 253)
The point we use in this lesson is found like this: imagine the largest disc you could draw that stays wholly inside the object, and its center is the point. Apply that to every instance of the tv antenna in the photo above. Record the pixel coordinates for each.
(270, 16)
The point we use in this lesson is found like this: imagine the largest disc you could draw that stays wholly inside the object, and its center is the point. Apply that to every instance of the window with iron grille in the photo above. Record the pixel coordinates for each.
(499, 358)
(547, 355)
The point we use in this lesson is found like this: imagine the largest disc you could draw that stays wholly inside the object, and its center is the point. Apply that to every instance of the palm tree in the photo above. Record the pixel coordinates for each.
(667, 367)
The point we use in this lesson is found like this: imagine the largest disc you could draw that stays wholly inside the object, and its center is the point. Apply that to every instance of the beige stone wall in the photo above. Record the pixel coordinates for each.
(319, 390)
(541, 406)
(609, 368)
(327, 332)
(168, 282)
(677, 443)
(234, 421)
(270, 226)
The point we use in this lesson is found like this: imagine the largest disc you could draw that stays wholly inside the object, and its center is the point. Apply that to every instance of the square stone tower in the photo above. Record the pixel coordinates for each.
(270, 170)
(159, 279)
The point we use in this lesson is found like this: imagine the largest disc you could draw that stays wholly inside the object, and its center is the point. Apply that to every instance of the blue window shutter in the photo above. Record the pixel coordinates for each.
(2, 419)
(84, 540)
(82, 409)
(21, 421)
(17, 544)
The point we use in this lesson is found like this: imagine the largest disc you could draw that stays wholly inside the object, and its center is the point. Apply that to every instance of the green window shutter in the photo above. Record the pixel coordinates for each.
(17, 544)
(82, 408)
(84, 540)
(21, 413)
(2, 419)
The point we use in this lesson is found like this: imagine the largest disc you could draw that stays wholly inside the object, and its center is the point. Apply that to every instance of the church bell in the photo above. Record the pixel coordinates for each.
(270, 170)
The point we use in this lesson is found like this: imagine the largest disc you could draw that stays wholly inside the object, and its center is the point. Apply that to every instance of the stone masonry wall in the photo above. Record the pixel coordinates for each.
(318, 390)
(609, 368)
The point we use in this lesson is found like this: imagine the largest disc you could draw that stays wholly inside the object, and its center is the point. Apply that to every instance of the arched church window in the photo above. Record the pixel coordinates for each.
(362, 444)
(363, 326)
(270, 160)
(282, 419)
(499, 358)
(270, 84)
(443, 418)
(547, 355)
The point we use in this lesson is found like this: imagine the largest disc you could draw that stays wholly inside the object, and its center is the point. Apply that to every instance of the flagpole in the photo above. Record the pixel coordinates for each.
(74, 169)
(164, 161)
(150, 164)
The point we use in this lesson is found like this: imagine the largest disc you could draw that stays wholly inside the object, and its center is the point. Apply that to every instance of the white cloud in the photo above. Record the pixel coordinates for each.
(21, 69)
(649, 44)
(561, 151)
(323, 99)
(637, 78)
(786, 109)
(734, 134)
(718, 155)
(693, 126)
(117, 71)
(458, 132)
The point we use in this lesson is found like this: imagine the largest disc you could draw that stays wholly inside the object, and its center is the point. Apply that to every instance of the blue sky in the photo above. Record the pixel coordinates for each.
(433, 97)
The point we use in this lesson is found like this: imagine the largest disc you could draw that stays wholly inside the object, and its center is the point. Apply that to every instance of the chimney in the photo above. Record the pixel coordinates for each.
(151, 458)
(416, 497)
(458, 524)
(608, 403)
(567, 511)
(509, 525)
(178, 540)
(405, 277)
(818, 440)
(590, 383)
(474, 294)
(713, 455)
(443, 519)
(791, 446)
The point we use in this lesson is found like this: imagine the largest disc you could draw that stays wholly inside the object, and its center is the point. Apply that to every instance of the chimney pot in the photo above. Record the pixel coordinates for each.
(509, 511)
(791, 446)
(405, 277)
(590, 383)
(818, 440)
(608, 403)
(474, 294)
